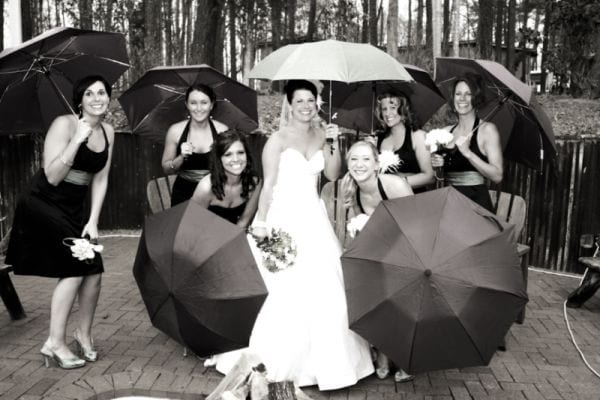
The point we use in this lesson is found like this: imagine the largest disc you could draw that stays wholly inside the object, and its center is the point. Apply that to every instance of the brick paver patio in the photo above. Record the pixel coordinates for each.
(137, 359)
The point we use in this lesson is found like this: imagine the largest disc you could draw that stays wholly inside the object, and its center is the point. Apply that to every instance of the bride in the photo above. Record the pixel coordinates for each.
(301, 333)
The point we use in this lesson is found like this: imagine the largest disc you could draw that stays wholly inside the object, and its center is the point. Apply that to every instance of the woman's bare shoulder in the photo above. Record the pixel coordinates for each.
(219, 126)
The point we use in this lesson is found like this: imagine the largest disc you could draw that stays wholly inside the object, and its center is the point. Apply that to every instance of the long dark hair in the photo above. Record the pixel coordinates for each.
(202, 88)
(218, 176)
(404, 110)
(474, 82)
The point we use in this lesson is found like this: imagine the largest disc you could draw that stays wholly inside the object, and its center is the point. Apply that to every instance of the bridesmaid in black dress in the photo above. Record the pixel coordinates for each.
(187, 144)
(77, 154)
(363, 188)
(401, 137)
(475, 153)
(231, 188)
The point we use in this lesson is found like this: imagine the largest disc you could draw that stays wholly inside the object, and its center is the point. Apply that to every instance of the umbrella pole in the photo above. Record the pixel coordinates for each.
(493, 112)
(331, 148)
(372, 105)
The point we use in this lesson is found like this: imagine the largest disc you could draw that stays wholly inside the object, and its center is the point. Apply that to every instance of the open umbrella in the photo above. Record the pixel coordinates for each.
(525, 130)
(433, 281)
(157, 100)
(330, 60)
(200, 286)
(353, 105)
(37, 77)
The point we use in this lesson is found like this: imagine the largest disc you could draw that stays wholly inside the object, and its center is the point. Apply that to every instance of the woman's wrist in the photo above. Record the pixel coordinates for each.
(257, 223)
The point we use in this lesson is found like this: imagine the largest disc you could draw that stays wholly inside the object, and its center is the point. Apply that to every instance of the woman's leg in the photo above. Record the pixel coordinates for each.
(60, 308)
(89, 291)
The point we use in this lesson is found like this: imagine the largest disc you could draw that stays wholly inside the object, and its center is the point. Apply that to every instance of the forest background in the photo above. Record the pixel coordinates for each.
(232, 35)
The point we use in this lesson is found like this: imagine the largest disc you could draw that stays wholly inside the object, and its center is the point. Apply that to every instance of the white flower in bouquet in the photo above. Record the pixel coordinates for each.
(388, 161)
(82, 249)
(437, 137)
(356, 224)
(278, 250)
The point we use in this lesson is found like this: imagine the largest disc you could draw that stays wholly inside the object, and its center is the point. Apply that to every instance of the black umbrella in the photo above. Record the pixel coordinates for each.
(37, 77)
(525, 130)
(198, 279)
(157, 100)
(353, 104)
(433, 281)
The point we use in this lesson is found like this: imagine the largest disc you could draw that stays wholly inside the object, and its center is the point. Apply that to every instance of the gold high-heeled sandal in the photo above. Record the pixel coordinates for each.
(88, 354)
(64, 363)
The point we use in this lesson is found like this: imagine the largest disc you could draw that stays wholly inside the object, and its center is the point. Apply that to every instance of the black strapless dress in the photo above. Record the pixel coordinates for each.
(230, 214)
(48, 214)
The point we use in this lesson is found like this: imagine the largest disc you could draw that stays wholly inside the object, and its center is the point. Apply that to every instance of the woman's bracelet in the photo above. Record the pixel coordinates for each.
(171, 165)
(62, 159)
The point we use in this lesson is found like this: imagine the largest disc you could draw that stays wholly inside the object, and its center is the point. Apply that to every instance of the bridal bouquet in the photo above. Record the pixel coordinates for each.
(436, 138)
(82, 249)
(278, 250)
(356, 224)
(389, 161)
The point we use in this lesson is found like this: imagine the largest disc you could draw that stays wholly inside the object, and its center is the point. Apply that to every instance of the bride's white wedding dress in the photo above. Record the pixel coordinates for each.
(301, 332)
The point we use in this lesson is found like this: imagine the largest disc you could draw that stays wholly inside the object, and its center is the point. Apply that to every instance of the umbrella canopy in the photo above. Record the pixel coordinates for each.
(157, 100)
(433, 281)
(40, 74)
(353, 105)
(525, 130)
(331, 60)
(200, 286)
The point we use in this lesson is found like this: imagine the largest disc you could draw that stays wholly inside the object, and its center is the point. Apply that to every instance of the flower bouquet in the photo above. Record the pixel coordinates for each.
(356, 224)
(436, 141)
(278, 250)
(389, 162)
(82, 249)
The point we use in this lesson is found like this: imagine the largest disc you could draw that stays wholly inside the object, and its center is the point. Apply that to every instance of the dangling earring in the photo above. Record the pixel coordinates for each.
(80, 110)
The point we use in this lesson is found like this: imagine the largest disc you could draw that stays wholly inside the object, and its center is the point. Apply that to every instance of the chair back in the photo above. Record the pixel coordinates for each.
(158, 193)
(510, 208)
(334, 204)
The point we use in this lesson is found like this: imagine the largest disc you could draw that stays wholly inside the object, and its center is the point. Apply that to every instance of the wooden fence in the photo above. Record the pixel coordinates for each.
(563, 201)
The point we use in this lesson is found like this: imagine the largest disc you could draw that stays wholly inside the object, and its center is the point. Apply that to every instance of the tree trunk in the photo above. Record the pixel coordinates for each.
(217, 49)
(484, 28)
(168, 10)
(499, 29)
(85, 14)
(26, 20)
(436, 29)
(312, 14)
(290, 32)
(510, 35)
(446, 30)
(419, 38)
(206, 34)
(364, 38)
(275, 23)
(232, 36)
(1, 24)
(108, 17)
(153, 38)
(409, 31)
(373, 22)
(546, 38)
(392, 28)
(456, 28)
(429, 25)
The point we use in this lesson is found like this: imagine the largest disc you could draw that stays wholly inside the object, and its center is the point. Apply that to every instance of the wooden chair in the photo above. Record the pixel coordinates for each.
(158, 193)
(334, 204)
(513, 209)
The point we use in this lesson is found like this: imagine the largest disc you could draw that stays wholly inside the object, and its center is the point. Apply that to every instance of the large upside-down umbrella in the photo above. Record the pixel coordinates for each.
(525, 130)
(353, 105)
(198, 279)
(433, 281)
(37, 77)
(157, 100)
